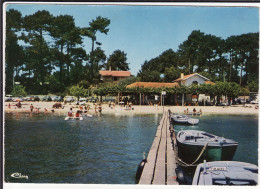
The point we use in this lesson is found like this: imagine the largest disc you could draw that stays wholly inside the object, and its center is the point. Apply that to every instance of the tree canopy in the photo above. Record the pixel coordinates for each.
(234, 59)
(46, 54)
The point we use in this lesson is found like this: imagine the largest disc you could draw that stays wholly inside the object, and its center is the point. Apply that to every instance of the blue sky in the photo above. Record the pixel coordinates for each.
(144, 32)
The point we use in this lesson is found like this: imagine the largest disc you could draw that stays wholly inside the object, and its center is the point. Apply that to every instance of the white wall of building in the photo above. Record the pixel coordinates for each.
(197, 78)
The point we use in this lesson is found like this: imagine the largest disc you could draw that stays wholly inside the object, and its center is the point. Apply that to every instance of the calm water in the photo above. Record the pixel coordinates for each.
(101, 150)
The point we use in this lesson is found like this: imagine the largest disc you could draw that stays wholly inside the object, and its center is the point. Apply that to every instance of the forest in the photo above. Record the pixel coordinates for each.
(45, 54)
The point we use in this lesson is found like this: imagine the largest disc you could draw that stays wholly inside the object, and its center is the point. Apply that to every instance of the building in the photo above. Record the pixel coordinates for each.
(111, 75)
(190, 79)
(193, 79)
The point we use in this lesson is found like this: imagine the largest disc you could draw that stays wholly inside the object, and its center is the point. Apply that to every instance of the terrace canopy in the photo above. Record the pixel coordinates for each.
(152, 85)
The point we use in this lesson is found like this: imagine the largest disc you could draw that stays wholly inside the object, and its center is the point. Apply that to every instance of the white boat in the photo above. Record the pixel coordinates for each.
(73, 118)
(86, 115)
(183, 119)
(225, 173)
(19, 175)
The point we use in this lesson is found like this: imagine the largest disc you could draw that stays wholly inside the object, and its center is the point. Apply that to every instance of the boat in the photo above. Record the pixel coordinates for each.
(183, 119)
(193, 114)
(195, 146)
(73, 118)
(86, 115)
(225, 173)
(19, 175)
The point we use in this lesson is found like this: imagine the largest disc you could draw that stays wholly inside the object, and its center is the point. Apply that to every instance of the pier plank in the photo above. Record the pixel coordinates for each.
(171, 159)
(159, 173)
(148, 171)
(161, 159)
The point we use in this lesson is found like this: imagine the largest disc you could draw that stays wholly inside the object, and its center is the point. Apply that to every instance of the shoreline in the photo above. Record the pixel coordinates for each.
(248, 109)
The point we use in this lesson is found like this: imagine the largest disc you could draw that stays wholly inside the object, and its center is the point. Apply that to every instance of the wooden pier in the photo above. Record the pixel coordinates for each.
(162, 157)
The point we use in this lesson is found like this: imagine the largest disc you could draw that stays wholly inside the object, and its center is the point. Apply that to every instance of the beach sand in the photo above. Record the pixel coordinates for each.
(248, 109)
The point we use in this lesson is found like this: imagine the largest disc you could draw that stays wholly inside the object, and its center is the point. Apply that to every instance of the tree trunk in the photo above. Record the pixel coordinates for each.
(92, 60)
(189, 65)
(241, 70)
(61, 54)
(230, 69)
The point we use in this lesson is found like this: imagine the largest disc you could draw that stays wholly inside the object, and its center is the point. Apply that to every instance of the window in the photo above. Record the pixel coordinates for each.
(195, 83)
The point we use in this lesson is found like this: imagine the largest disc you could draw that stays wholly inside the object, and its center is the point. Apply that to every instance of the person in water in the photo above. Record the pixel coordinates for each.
(100, 108)
(70, 113)
(31, 107)
(78, 114)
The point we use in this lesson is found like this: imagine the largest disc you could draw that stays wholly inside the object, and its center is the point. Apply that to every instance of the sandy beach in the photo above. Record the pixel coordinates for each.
(46, 107)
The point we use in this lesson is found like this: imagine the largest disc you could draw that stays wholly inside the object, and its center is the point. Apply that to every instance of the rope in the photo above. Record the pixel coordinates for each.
(202, 151)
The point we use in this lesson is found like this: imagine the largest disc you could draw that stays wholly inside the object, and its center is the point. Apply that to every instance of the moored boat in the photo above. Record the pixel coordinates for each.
(195, 146)
(73, 118)
(183, 119)
(225, 173)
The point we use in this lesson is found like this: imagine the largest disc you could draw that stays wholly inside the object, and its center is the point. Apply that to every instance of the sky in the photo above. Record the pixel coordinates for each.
(144, 32)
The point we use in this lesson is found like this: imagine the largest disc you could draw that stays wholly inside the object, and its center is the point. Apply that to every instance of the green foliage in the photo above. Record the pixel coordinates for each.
(84, 83)
(100, 24)
(53, 51)
(117, 61)
(18, 90)
(171, 74)
(55, 86)
(128, 80)
(253, 86)
(77, 91)
(243, 91)
(150, 76)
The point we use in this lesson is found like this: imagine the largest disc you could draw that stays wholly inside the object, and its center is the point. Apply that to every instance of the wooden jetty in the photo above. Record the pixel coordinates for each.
(162, 157)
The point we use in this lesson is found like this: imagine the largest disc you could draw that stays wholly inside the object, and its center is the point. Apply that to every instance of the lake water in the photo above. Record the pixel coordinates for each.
(101, 150)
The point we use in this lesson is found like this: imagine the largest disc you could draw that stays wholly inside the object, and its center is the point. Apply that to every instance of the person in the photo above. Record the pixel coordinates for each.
(9, 106)
(187, 110)
(31, 107)
(95, 108)
(100, 108)
(19, 105)
(194, 111)
(77, 114)
(200, 112)
(70, 113)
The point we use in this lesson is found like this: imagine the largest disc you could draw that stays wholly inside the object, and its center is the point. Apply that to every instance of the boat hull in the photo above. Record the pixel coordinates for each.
(189, 153)
(190, 121)
(225, 173)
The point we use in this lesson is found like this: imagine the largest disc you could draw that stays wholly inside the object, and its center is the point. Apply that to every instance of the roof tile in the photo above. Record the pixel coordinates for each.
(114, 73)
(152, 85)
